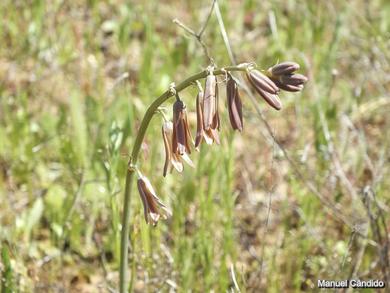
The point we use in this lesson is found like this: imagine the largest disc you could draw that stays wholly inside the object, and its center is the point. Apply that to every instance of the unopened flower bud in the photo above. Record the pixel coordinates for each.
(293, 79)
(262, 82)
(234, 104)
(283, 68)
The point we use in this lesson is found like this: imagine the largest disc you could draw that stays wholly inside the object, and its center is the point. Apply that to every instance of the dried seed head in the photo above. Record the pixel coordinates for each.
(234, 104)
(181, 138)
(153, 206)
(283, 68)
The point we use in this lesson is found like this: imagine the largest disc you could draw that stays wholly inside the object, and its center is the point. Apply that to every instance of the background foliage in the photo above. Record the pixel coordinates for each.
(76, 78)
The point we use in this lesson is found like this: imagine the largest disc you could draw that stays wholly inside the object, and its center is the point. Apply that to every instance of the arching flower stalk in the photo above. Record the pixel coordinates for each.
(177, 136)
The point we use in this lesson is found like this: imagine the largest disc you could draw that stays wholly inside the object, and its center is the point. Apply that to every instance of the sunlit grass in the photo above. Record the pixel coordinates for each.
(69, 113)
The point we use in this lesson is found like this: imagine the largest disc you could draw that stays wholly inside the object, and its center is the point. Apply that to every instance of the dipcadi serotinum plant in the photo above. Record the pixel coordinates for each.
(177, 137)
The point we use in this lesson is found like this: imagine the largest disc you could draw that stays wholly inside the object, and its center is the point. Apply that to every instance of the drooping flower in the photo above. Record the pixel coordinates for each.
(265, 87)
(234, 103)
(200, 132)
(211, 122)
(181, 137)
(154, 208)
(172, 159)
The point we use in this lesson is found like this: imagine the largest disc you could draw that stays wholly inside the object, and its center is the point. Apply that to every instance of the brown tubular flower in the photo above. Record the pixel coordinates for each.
(199, 120)
(172, 159)
(153, 206)
(200, 133)
(234, 104)
(211, 122)
(181, 137)
(265, 87)
(284, 77)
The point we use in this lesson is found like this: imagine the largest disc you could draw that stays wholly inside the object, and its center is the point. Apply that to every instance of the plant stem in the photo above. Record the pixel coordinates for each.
(123, 281)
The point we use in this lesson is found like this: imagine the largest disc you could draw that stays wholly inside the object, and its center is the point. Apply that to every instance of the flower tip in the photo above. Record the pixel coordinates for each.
(154, 208)
(188, 160)
(153, 219)
(277, 103)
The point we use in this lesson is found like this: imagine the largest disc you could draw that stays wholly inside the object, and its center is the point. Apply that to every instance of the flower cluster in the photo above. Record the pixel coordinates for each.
(284, 77)
(177, 135)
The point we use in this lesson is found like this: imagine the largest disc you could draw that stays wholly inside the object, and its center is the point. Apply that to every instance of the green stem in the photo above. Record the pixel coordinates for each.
(123, 281)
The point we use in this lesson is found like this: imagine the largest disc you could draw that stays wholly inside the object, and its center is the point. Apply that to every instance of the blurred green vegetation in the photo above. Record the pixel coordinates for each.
(76, 78)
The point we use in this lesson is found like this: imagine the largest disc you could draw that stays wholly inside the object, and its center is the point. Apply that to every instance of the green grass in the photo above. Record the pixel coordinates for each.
(69, 115)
